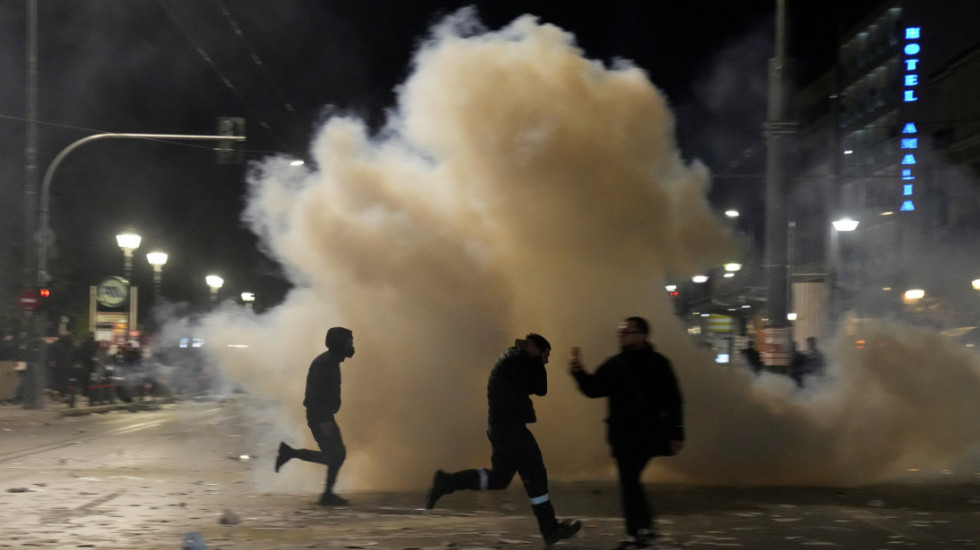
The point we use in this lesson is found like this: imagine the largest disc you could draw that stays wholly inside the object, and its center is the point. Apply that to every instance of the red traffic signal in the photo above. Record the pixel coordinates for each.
(44, 293)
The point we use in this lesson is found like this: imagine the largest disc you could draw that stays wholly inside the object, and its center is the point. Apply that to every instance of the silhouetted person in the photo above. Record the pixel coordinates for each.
(518, 374)
(86, 354)
(797, 367)
(808, 363)
(322, 402)
(63, 362)
(814, 357)
(753, 357)
(645, 418)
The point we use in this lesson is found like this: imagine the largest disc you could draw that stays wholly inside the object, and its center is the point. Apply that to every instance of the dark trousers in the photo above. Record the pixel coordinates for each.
(636, 511)
(332, 452)
(514, 451)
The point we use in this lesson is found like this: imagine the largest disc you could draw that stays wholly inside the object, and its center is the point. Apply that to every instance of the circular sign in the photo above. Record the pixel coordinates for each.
(112, 292)
(27, 300)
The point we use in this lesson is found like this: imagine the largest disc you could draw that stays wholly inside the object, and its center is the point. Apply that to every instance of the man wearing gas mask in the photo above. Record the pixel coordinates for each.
(322, 402)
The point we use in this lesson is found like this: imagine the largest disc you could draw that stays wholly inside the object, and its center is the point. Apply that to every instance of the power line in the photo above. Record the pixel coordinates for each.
(209, 62)
(256, 60)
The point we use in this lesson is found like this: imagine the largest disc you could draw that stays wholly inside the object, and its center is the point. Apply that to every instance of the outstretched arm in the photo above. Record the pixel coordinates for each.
(592, 385)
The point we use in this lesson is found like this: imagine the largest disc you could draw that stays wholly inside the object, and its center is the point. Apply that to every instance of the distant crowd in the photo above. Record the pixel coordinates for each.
(99, 371)
(803, 364)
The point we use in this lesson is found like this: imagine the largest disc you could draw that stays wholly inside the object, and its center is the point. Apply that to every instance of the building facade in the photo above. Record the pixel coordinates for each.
(891, 137)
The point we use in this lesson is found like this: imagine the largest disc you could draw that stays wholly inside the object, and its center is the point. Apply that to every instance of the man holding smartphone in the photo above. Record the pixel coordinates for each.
(645, 418)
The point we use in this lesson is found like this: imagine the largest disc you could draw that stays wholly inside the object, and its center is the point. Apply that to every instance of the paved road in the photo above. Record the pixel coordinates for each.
(124, 480)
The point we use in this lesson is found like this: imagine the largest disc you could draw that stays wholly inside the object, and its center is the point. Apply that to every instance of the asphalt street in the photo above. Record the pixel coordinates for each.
(146, 477)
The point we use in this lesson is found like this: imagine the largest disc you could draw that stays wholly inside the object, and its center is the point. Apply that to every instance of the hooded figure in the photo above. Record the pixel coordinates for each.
(322, 401)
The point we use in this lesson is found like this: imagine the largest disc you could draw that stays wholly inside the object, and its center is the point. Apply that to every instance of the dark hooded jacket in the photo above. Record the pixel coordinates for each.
(322, 399)
(645, 405)
(514, 378)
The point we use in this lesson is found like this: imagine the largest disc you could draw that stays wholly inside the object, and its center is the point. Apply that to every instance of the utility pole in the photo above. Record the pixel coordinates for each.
(777, 349)
(30, 147)
(33, 382)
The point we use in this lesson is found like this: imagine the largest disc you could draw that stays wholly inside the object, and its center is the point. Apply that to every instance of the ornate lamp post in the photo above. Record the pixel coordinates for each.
(157, 259)
(214, 283)
(128, 241)
(249, 299)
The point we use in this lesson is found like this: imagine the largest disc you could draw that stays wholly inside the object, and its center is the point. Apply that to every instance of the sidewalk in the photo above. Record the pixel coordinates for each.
(54, 408)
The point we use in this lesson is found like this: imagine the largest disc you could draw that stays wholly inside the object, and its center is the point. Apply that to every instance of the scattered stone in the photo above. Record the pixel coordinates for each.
(18, 490)
(876, 503)
(230, 518)
(194, 541)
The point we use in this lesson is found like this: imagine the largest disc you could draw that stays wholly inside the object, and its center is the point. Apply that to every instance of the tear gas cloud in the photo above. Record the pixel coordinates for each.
(519, 187)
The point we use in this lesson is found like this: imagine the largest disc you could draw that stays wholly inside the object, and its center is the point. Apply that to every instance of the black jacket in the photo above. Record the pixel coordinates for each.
(322, 399)
(514, 378)
(645, 405)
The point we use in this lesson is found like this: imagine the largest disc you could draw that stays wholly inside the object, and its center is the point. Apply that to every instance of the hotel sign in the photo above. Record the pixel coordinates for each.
(910, 133)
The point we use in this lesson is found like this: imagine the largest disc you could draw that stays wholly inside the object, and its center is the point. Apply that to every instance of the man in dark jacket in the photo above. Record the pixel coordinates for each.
(645, 417)
(322, 402)
(518, 374)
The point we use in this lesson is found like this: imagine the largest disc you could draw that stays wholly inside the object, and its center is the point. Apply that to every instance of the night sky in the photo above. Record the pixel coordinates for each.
(174, 66)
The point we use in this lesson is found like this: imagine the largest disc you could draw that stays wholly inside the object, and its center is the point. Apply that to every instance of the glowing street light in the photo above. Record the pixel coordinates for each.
(128, 242)
(912, 296)
(214, 283)
(976, 284)
(733, 266)
(700, 279)
(845, 224)
(732, 213)
(157, 259)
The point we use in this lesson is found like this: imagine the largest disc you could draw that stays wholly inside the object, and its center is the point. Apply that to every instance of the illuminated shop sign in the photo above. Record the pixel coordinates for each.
(910, 133)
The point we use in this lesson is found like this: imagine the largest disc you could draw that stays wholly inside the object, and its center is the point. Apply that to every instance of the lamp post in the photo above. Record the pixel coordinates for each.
(214, 283)
(157, 259)
(128, 241)
(249, 299)
(842, 225)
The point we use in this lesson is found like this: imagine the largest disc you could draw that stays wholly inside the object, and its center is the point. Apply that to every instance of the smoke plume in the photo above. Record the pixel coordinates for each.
(519, 187)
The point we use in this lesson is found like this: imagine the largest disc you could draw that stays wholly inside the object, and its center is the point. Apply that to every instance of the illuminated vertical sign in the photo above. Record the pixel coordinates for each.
(909, 140)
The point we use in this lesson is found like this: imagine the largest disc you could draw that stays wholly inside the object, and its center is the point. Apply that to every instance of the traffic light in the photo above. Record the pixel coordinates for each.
(231, 152)
(43, 299)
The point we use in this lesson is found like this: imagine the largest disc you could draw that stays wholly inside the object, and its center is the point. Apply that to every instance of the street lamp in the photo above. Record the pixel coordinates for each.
(128, 242)
(214, 283)
(845, 224)
(249, 299)
(912, 296)
(842, 225)
(157, 259)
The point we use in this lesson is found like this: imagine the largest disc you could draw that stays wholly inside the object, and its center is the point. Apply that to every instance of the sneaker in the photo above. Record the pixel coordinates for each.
(285, 453)
(638, 543)
(563, 530)
(333, 499)
(441, 485)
